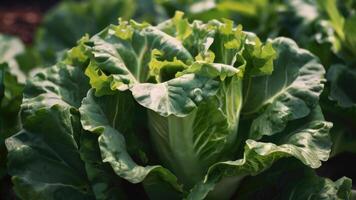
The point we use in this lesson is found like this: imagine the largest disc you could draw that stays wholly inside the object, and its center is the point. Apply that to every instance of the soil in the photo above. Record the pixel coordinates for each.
(22, 17)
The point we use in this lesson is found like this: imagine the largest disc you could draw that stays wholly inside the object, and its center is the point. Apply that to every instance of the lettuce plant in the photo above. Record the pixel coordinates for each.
(189, 110)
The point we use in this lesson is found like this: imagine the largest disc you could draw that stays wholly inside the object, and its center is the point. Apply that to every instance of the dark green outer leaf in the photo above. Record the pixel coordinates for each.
(42, 167)
(11, 86)
(340, 78)
(104, 182)
(11, 77)
(342, 107)
(98, 116)
(288, 179)
(126, 60)
(305, 139)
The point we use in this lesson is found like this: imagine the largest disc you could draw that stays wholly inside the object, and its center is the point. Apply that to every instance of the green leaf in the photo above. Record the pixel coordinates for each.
(210, 70)
(185, 84)
(344, 27)
(118, 63)
(116, 138)
(337, 20)
(113, 151)
(242, 7)
(259, 57)
(2, 77)
(340, 77)
(10, 47)
(209, 87)
(188, 143)
(228, 42)
(343, 138)
(61, 84)
(288, 179)
(178, 97)
(104, 182)
(342, 107)
(183, 28)
(11, 91)
(289, 93)
(308, 142)
(42, 167)
(10, 101)
(350, 34)
(197, 36)
(11, 86)
(11, 78)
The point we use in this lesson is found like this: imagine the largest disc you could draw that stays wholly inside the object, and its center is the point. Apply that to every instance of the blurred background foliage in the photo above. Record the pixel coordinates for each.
(43, 30)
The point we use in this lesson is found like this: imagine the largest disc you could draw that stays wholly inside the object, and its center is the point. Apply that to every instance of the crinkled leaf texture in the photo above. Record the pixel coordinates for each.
(164, 109)
(306, 139)
(41, 166)
(288, 94)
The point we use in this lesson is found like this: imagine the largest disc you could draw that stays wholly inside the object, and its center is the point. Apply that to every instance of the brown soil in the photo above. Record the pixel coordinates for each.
(22, 17)
(20, 21)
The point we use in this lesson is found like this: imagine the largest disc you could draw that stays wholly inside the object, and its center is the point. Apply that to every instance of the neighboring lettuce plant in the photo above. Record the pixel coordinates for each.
(340, 17)
(12, 81)
(292, 180)
(260, 16)
(190, 110)
(67, 22)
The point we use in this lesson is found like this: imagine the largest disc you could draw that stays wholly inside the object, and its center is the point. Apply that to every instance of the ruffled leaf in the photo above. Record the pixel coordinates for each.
(98, 116)
(309, 143)
(289, 93)
(125, 62)
(40, 166)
